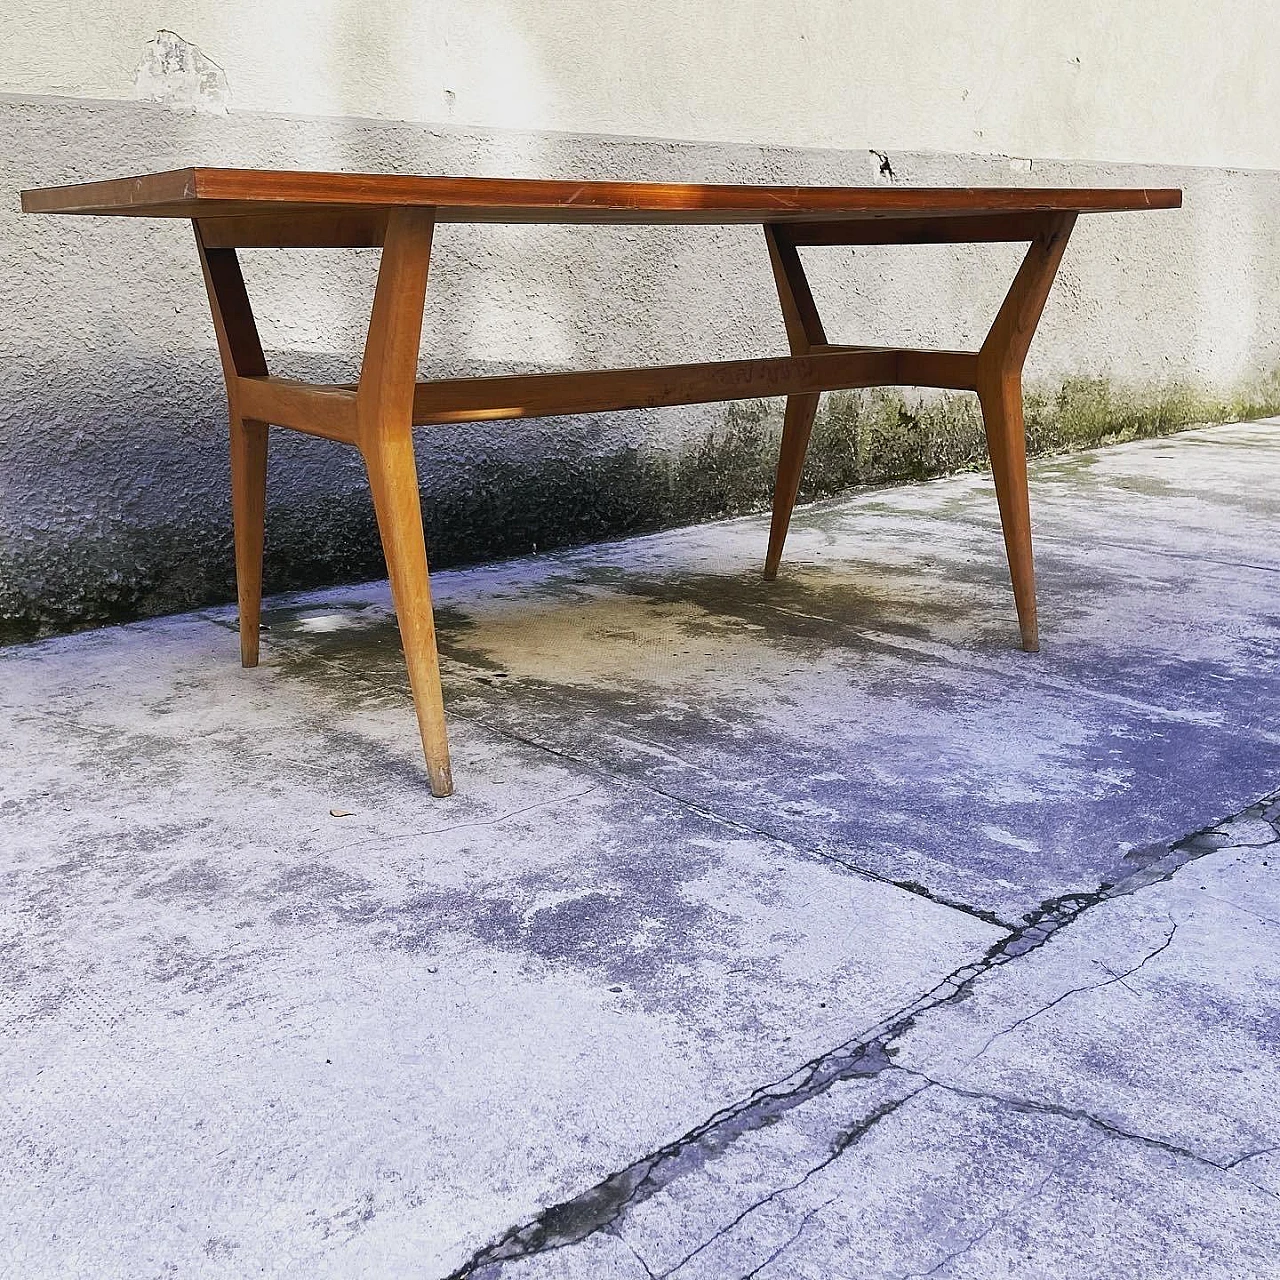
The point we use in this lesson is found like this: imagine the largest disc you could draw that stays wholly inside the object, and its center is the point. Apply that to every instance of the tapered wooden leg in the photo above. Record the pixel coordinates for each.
(796, 426)
(248, 511)
(1001, 400)
(241, 351)
(804, 332)
(393, 477)
(999, 387)
(384, 409)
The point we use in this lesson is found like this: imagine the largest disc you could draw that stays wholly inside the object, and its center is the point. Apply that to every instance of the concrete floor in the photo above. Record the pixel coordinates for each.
(790, 930)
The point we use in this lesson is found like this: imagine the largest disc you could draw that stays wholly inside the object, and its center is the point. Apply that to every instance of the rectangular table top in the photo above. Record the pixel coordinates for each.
(208, 193)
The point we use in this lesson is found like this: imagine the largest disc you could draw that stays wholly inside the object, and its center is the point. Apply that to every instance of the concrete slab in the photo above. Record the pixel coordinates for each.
(243, 1035)
(945, 1186)
(1098, 1104)
(790, 929)
(1194, 964)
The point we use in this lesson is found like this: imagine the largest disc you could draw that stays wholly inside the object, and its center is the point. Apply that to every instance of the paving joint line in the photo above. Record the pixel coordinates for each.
(632, 782)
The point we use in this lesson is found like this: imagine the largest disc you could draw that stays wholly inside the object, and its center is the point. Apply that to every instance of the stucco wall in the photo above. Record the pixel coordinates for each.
(1155, 81)
(112, 427)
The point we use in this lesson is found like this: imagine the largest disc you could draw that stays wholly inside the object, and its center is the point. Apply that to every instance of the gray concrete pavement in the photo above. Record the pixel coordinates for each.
(781, 930)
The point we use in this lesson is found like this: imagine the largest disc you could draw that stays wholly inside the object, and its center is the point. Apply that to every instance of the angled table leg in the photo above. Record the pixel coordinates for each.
(384, 411)
(995, 372)
(804, 332)
(248, 514)
(242, 357)
(999, 387)
(797, 424)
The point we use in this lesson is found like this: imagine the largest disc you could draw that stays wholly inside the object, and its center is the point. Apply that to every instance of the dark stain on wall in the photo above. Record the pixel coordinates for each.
(507, 508)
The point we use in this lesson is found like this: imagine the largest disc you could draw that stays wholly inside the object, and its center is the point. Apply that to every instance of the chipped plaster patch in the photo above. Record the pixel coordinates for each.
(178, 74)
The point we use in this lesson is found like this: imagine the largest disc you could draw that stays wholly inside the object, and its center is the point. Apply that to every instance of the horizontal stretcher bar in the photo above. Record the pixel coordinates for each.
(331, 410)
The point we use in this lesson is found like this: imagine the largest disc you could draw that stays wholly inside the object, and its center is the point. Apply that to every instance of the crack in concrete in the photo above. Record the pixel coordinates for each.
(607, 1203)
(1030, 1106)
(1238, 906)
(603, 1206)
(884, 166)
(386, 838)
(969, 1244)
(908, 886)
(1034, 1194)
(1251, 1155)
(633, 1251)
(791, 1239)
(736, 824)
(1075, 991)
(849, 1138)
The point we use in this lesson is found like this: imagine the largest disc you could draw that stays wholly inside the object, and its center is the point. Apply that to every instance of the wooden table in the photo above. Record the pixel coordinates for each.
(232, 209)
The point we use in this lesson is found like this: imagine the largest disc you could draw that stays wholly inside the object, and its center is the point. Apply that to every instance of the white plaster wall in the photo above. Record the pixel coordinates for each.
(1184, 82)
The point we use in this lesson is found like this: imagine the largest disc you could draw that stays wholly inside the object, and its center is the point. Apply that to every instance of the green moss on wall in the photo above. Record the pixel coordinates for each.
(504, 508)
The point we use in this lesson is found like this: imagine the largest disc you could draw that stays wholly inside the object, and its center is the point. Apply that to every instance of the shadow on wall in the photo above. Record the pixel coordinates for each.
(489, 505)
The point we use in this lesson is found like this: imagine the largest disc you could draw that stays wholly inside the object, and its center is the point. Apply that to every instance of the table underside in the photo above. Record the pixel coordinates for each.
(329, 410)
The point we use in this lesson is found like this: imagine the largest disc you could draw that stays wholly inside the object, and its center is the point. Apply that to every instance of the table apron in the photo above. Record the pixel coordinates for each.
(328, 228)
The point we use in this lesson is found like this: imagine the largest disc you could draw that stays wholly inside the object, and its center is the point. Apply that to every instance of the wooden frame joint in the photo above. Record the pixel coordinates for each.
(1004, 351)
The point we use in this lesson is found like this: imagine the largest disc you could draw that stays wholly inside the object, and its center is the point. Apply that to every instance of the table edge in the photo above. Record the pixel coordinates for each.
(200, 191)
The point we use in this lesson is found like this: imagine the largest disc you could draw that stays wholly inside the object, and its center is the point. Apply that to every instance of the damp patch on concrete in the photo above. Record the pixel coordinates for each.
(889, 638)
